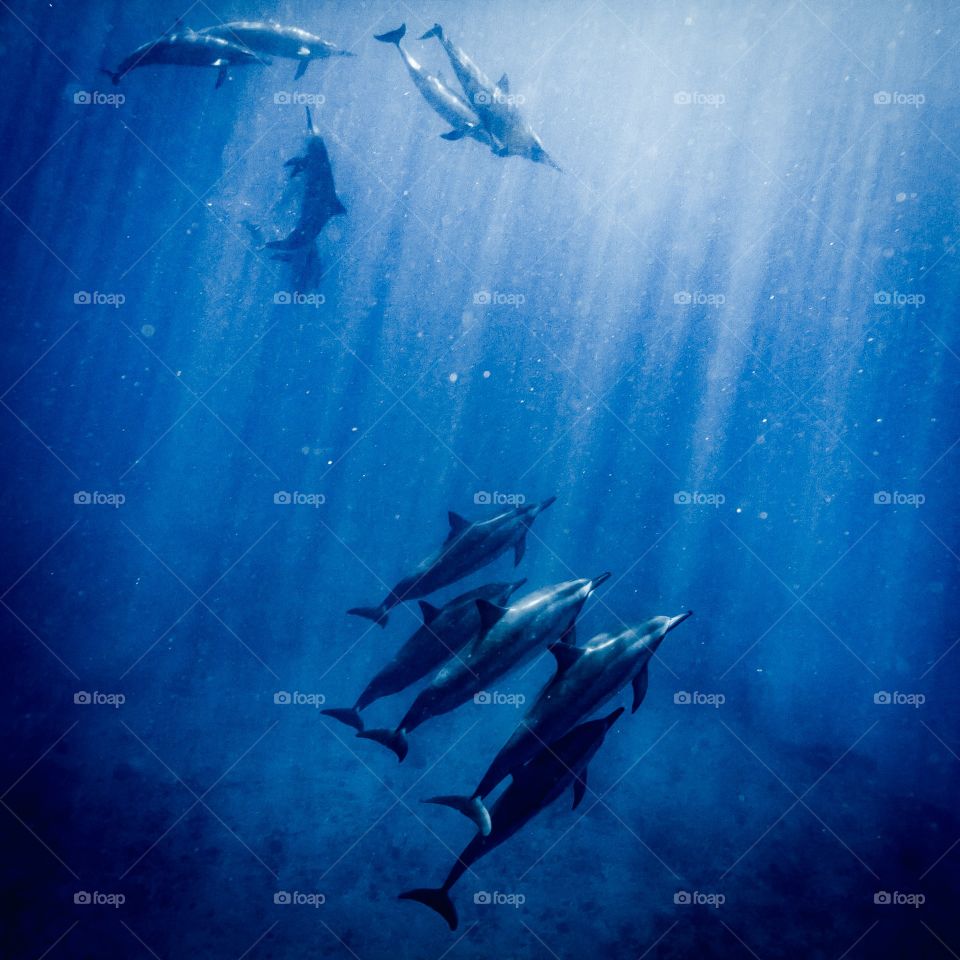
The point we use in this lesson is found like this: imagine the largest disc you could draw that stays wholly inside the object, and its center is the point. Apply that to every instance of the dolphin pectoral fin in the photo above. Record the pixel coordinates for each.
(221, 76)
(394, 740)
(430, 612)
(113, 75)
(377, 614)
(490, 614)
(436, 899)
(301, 68)
(457, 133)
(296, 165)
(640, 683)
(504, 83)
(579, 789)
(471, 807)
(566, 654)
(519, 549)
(569, 636)
(349, 715)
(435, 31)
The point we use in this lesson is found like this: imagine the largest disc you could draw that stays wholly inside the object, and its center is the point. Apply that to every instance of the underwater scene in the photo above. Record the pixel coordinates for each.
(481, 479)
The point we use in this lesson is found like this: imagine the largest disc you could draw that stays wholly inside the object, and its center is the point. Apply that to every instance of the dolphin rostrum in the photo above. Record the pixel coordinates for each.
(498, 111)
(446, 102)
(445, 631)
(534, 788)
(319, 202)
(468, 547)
(510, 636)
(187, 48)
(586, 678)
(291, 43)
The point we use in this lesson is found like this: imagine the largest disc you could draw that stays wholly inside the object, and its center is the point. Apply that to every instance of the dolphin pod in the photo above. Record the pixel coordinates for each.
(541, 782)
(468, 547)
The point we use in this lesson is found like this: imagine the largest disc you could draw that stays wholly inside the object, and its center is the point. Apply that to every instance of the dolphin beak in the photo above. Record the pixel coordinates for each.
(602, 578)
(546, 503)
(550, 162)
(676, 621)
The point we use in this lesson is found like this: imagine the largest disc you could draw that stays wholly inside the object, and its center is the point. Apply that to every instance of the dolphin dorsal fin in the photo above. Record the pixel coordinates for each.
(457, 523)
(176, 28)
(490, 614)
(565, 654)
(430, 612)
(640, 683)
(504, 83)
(579, 788)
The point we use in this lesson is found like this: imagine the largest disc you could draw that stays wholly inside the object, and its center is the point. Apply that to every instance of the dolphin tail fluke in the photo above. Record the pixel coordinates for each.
(471, 807)
(348, 715)
(393, 36)
(435, 31)
(377, 614)
(301, 68)
(436, 899)
(395, 740)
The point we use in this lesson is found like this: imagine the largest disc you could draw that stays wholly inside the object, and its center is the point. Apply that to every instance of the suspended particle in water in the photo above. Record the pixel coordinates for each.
(454, 377)
(304, 450)
(763, 514)
(148, 329)
(486, 374)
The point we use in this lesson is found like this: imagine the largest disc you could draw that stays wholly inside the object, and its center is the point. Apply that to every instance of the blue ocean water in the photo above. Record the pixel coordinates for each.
(723, 337)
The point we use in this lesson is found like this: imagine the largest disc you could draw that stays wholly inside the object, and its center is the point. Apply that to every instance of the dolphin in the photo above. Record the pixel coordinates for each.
(320, 202)
(187, 48)
(511, 134)
(445, 631)
(468, 547)
(586, 678)
(446, 102)
(510, 636)
(533, 788)
(291, 43)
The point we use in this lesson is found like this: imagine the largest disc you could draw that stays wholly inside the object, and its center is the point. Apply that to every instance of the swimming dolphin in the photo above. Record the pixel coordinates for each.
(534, 788)
(291, 43)
(510, 636)
(511, 134)
(586, 678)
(446, 102)
(319, 202)
(187, 48)
(445, 631)
(468, 547)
